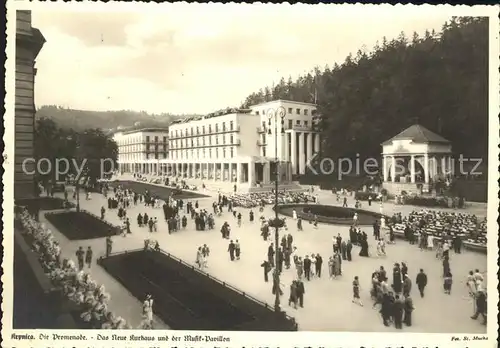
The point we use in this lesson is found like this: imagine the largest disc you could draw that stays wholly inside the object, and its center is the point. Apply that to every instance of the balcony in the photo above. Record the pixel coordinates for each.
(208, 132)
(261, 129)
(300, 127)
(236, 142)
(261, 142)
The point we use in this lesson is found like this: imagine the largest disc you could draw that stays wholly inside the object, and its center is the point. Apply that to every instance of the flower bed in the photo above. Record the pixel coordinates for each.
(89, 301)
(424, 201)
(330, 214)
(81, 225)
(363, 196)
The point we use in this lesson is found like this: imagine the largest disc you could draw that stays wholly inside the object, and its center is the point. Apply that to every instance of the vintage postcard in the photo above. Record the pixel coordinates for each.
(210, 175)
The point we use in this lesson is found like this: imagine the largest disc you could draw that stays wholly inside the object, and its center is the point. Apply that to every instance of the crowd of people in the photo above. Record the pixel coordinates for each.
(426, 228)
(252, 200)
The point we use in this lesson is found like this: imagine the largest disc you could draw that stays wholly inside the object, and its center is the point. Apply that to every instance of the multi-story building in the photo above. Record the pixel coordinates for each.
(233, 145)
(29, 42)
(141, 150)
(298, 139)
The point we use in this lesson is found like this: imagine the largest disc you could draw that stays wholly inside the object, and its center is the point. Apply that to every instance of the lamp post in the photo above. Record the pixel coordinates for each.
(77, 179)
(276, 114)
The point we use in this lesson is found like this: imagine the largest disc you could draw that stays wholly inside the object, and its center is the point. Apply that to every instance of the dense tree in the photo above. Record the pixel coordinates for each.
(88, 150)
(438, 80)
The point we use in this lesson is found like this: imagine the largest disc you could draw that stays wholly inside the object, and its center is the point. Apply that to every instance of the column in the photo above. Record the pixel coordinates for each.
(316, 143)
(251, 173)
(230, 172)
(451, 165)
(267, 174)
(214, 170)
(426, 168)
(443, 165)
(309, 147)
(393, 169)
(293, 155)
(412, 168)
(302, 160)
(384, 168)
(238, 173)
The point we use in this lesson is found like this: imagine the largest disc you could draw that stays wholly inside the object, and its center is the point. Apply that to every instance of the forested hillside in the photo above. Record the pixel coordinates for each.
(82, 119)
(439, 80)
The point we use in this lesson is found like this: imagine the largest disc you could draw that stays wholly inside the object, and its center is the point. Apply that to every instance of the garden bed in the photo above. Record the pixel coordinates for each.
(81, 225)
(162, 192)
(186, 299)
(330, 214)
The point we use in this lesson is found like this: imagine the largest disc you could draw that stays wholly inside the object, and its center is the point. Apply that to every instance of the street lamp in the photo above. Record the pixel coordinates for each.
(77, 179)
(276, 114)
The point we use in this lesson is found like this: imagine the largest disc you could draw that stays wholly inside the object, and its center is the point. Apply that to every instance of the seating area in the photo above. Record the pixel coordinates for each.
(471, 229)
(188, 299)
(251, 200)
(154, 188)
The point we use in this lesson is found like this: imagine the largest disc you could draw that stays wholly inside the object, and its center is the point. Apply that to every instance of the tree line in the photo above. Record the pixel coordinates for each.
(439, 80)
(88, 152)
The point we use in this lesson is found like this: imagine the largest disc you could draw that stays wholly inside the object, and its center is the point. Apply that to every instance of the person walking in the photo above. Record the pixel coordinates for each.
(88, 256)
(421, 282)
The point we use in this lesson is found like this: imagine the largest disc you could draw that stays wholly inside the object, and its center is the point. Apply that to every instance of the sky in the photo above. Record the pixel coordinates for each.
(199, 58)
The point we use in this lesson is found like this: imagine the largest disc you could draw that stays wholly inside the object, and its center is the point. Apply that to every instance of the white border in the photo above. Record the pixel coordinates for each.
(242, 339)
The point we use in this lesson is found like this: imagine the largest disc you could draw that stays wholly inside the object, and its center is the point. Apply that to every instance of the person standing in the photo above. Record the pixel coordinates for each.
(237, 249)
(355, 292)
(109, 246)
(318, 264)
(231, 249)
(421, 282)
(293, 294)
(406, 286)
(267, 267)
(481, 306)
(270, 255)
(408, 307)
(348, 250)
(447, 283)
(88, 256)
(398, 312)
(80, 253)
(307, 267)
(300, 292)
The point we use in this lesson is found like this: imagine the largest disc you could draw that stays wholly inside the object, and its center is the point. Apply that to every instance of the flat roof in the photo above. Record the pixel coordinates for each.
(284, 101)
(142, 130)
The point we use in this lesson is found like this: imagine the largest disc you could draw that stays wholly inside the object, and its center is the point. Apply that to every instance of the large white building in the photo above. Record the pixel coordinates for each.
(140, 150)
(238, 145)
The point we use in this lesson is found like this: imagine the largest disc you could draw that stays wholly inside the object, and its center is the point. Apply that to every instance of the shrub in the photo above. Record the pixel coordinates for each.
(363, 196)
(404, 193)
(423, 201)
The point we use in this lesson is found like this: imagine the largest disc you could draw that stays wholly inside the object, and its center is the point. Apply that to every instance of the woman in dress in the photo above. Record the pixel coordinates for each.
(199, 257)
(330, 267)
(294, 214)
(430, 242)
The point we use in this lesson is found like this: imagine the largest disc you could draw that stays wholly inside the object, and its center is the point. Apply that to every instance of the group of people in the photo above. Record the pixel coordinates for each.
(424, 226)
(252, 200)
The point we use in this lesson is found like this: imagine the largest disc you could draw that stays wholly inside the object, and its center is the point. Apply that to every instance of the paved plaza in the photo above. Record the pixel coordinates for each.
(327, 302)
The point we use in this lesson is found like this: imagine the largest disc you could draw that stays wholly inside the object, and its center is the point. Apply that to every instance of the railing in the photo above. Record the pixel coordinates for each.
(261, 129)
(194, 268)
(261, 142)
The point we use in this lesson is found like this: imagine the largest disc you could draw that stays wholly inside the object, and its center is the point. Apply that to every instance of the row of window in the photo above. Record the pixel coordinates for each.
(298, 111)
(200, 130)
(139, 140)
(200, 154)
(143, 147)
(290, 123)
(203, 141)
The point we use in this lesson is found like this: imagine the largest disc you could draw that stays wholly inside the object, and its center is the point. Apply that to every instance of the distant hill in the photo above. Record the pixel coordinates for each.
(106, 120)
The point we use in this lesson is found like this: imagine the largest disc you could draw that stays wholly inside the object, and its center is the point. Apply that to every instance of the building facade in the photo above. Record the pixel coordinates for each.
(140, 150)
(298, 139)
(234, 145)
(29, 42)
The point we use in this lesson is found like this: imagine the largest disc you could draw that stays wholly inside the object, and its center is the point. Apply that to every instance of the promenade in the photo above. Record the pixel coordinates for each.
(327, 304)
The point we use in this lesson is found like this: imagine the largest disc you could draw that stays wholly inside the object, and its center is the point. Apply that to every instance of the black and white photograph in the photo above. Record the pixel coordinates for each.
(216, 168)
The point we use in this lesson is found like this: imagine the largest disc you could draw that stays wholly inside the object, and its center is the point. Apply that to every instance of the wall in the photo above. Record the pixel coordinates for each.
(28, 44)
